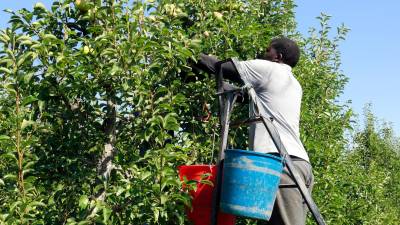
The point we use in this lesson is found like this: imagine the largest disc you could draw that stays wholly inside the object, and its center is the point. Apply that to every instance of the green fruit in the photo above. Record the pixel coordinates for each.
(92, 13)
(86, 50)
(218, 16)
(82, 5)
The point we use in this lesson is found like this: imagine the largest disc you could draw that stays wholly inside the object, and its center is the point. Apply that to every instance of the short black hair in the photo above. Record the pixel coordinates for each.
(288, 48)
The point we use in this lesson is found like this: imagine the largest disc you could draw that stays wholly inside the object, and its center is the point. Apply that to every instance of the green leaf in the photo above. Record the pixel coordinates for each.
(11, 89)
(1, 182)
(26, 42)
(195, 43)
(4, 37)
(29, 100)
(207, 182)
(83, 201)
(9, 155)
(71, 221)
(170, 122)
(156, 213)
(156, 121)
(24, 57)
(14, 205)
(145, 175)
(29, 165)
(28, 77)
(6, 61)
(10, 53)
(108, 52)
(42, 105)
(49, 37)
(5, 70)
(10, 176)
(120, 190)
(23, 38)
(26, 123)
(39, 6)
(37, 203)
(4, 137)
(148, 133)
(164, 199)
(36, 46)
(115, 69)
(106, 215)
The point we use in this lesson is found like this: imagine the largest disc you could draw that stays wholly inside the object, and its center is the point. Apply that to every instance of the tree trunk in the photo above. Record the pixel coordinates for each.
(20, 151)
(104, 166)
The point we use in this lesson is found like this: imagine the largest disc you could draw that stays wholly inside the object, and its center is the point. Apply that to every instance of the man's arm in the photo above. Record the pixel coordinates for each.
(211, 64)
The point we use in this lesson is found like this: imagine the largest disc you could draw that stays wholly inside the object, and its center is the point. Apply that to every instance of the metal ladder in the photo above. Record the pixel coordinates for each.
(227, 101)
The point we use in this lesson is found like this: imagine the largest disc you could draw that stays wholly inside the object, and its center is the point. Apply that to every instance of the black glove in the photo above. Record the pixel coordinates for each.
(243, 98)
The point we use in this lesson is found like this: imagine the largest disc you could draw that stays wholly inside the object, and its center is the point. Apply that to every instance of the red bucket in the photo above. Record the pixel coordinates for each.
(200, 214)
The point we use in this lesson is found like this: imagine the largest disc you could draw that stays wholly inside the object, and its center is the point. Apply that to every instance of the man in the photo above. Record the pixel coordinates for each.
(279, 94)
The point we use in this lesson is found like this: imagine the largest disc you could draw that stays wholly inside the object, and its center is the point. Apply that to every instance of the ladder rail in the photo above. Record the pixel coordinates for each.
(273, 133)
(296, 176)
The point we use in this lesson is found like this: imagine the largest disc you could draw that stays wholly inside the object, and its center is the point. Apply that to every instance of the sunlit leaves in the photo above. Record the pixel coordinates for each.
(68, 69)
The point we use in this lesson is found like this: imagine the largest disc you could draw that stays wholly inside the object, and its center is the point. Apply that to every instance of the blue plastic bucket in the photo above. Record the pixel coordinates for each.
(249, 183)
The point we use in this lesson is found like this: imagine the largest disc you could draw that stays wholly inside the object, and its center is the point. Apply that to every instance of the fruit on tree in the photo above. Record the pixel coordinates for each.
(218, 16)
(173, 10)
(86, 50)
(92, 13)
(82, 5)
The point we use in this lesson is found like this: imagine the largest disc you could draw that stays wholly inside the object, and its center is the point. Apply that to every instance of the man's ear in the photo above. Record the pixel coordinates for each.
(279, 57)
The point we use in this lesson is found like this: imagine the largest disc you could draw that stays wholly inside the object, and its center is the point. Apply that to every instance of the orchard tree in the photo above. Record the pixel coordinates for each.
(95, 115)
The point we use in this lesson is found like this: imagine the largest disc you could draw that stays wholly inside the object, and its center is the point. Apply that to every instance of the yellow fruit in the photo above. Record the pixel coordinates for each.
(82, 5)
(206, 34)
(86, 50)
(218, 16)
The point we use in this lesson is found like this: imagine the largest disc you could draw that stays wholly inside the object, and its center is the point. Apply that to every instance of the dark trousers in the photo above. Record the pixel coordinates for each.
(290, 208)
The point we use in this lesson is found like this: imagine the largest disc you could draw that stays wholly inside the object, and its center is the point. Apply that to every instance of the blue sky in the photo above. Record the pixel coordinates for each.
(370, 54)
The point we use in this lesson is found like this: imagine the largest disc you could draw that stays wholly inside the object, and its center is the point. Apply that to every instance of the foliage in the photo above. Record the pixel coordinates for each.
(95, 116)
(373, 192)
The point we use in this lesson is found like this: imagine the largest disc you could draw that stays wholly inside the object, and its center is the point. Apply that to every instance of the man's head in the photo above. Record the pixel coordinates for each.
(283, 50)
